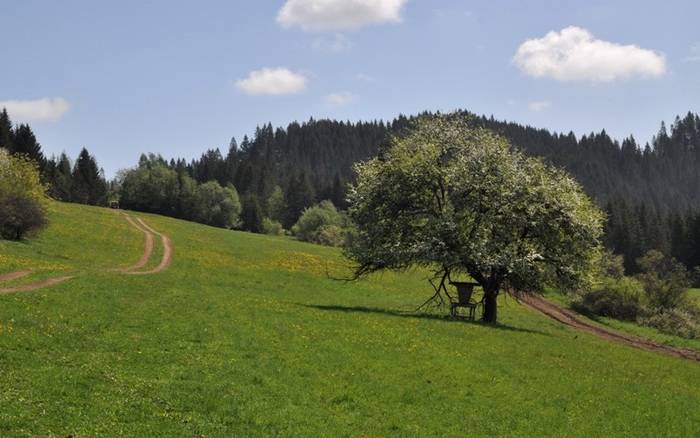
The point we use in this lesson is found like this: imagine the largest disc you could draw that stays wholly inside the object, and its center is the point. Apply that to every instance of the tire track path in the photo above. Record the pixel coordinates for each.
(14, 275)
(167, 250)
(147, 250)
(140, 225)
(36, 285)
(571, 319)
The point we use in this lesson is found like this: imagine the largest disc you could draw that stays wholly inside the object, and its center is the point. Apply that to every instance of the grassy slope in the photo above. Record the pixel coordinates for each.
(246, 335)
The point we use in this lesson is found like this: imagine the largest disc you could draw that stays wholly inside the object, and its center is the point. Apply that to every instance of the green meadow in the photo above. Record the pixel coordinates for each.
(247, 335)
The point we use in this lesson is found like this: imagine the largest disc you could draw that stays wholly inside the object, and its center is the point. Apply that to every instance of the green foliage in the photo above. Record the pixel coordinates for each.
(277, 205)
(321, 224)
(20, 216)
(24, 143)
(151, 187)
(620, 298)
(245, 335)
(657, 297)
(665, 281)
(299, 195)
(695, 276)
(252, 215)
(272, 227)
(610, 293)
(59, 175)
(88, 186)
(459, 199)
(155, 187)
(217, 206)
(683, 322)
(22, 196)
(6, 131)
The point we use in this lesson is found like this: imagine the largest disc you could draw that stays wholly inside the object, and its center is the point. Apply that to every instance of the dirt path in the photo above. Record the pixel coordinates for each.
(571, 319)
(14, 275)
(36, 285)
(133, 269)
(147, 250)
(167, 251)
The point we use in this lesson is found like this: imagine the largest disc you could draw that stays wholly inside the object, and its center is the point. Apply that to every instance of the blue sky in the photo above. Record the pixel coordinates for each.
(177, 77)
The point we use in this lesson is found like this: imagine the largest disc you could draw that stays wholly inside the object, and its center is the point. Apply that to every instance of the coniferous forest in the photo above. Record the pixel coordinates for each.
(650, 192)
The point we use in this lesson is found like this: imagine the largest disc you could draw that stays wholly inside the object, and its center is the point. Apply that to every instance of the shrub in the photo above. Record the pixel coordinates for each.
(695, 276)
(22, 197)
(619, 298)
(665, 281)
(331, 235)
(678, 322)
(217, 206)
(272, 227)
(20, 216)
(321, 224)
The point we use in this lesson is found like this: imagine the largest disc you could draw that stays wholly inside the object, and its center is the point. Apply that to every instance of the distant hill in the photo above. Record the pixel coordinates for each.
(651, 192)
(663, 174)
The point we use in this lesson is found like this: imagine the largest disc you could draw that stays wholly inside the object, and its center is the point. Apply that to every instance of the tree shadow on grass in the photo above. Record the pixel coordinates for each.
(407, 314)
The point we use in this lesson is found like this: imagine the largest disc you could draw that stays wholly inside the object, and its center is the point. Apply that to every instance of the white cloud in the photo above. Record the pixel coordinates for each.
(45, 109)
(539, 105)
(694, 54)
(334, 44)
(272, 82)
(364, 77)
(573, 54)
(337, 15)
(339, 99)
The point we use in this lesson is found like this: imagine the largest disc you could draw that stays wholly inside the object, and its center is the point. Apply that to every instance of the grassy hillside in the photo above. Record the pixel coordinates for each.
(245, 335)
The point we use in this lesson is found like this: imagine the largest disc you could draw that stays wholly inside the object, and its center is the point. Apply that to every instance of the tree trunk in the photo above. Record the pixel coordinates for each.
(490, 305)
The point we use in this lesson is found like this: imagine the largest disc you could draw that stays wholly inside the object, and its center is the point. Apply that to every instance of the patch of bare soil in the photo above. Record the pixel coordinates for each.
(147, 250)
(167, 251)
(14, 275)
(36, 285)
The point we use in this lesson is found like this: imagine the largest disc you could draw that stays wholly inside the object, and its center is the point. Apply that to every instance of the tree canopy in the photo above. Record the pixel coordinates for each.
(461, 200)
(22, 196)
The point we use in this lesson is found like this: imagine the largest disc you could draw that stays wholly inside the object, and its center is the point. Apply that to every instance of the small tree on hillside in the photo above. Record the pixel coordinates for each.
(88, 184)
(24, 142)
(6, 131)
(321, 224)
(22, 197)
(218, 206)
(665, 281)
(461, 200)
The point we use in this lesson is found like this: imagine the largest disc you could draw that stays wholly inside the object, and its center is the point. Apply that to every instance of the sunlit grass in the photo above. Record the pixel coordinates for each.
(247, 335)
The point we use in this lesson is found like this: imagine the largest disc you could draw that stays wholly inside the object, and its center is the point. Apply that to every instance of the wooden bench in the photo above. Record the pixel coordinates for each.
(465, 291)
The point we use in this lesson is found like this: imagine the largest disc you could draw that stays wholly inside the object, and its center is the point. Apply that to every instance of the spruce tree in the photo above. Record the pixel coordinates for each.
(24, 142)
(299, 195)
(251, 214)
(338, 192)
(89, 187)
(62, 179)
(6, 133)
(276, 205)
